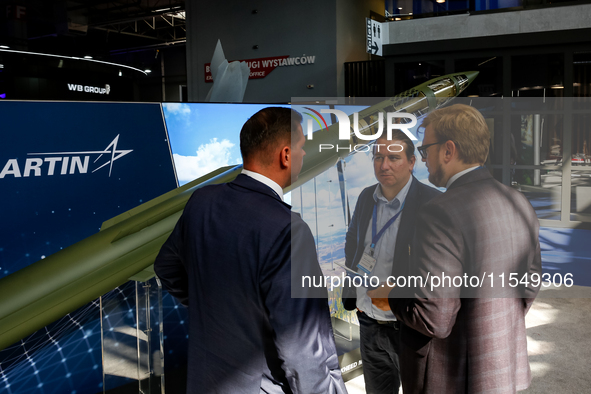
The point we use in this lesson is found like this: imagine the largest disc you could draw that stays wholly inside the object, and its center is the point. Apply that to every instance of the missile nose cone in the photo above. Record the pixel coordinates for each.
(472, 75)
(466, 78)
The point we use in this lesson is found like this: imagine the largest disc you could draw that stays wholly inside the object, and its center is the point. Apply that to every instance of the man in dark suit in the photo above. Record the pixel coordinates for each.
(467, 337)
(397, 196)
(229, 259)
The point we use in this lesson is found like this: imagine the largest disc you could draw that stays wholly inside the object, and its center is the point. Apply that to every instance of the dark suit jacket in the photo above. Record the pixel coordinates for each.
(418, 194)
(467, 340)
(229, 259)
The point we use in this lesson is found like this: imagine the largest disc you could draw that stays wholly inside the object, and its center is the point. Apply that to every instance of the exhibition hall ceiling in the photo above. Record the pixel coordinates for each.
(96, 28)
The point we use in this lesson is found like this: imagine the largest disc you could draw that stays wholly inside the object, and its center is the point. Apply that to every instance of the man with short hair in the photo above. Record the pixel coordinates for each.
(393, 204)
(467, 337)
(229, 259)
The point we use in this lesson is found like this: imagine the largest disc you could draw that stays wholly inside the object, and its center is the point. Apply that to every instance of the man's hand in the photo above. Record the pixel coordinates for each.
(379, 297)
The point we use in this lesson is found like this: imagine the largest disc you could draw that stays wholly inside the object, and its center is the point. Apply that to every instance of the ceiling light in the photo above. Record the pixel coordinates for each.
(486, 61)
(168, 9)
(87, 57)
(3, 49)
(399, 8)
(441, 1)
(147, 71)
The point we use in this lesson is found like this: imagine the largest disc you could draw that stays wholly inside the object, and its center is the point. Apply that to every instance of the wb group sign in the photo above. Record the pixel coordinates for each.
(89, 89)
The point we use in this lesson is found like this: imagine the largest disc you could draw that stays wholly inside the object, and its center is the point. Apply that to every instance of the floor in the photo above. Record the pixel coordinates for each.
(559, 343)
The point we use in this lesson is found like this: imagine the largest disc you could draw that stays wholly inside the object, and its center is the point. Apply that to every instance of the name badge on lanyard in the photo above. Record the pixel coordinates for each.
(368, 261)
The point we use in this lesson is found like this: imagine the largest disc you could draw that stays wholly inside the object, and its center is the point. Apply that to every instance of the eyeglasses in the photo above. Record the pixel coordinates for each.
(423, 149)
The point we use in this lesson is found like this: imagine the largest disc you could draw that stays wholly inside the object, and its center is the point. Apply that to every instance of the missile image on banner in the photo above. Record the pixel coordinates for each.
(417, 101)
(126, 246)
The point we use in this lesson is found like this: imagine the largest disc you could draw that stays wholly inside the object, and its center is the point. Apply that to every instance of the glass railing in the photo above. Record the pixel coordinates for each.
(132, 338)
(401, 9)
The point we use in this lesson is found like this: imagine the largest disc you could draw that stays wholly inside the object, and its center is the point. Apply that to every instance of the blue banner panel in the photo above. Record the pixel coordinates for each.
(65, 168)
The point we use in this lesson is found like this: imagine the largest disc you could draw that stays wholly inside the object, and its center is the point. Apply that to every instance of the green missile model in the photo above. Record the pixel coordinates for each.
(416, 101)
(127, 245)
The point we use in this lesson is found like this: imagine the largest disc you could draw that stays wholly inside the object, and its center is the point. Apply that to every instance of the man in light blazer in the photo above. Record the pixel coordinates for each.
(230, 260)
(464, 338)
(398, 192)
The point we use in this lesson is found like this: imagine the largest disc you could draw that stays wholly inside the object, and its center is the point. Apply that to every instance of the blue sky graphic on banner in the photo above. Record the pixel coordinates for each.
(65, 168)
(206, 136)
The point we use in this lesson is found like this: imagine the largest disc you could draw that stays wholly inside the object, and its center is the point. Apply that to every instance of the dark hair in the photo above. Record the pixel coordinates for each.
(265, 130)
(398, 135)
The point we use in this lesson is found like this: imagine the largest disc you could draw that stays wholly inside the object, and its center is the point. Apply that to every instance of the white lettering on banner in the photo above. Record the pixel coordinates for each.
(295, 61)
(79, 163)
(65, 165)
(11, 168)
(52, 161)
(351, 366)
(33, 164)
(83, 169)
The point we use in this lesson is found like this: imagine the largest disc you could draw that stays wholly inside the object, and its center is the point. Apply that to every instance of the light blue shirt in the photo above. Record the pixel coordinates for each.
(384, 249)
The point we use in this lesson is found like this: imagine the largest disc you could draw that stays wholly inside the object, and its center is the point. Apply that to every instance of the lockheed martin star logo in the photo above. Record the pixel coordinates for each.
(114, 154)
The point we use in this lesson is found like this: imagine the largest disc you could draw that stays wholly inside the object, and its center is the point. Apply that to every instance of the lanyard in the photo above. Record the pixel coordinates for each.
(375, 237)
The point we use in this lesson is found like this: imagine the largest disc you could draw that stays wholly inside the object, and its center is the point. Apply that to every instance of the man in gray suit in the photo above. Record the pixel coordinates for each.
(395, 202)
(467, 337)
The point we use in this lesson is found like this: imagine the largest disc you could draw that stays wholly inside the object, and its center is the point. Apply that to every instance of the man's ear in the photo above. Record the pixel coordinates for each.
(450, 150)
(285, 156)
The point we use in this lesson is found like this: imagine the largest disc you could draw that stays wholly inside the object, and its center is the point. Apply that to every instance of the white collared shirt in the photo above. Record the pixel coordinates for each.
(384, 248)
(266, 181)
(459, 174)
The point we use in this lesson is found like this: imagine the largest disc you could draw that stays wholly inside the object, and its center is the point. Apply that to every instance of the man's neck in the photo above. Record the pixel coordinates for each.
(265, 171)
(459, 167)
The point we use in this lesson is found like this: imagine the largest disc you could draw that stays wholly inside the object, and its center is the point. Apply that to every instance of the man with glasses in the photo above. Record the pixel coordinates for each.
(377, 244)
(467, 337)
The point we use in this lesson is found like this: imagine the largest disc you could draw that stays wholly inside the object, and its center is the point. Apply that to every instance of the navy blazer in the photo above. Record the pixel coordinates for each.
(418, 194)
(229, 259)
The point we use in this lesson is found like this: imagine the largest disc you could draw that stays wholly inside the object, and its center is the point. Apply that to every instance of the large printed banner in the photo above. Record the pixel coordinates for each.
(65, 168)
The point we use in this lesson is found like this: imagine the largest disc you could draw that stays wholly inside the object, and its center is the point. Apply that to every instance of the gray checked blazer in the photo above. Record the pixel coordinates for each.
(466, 340)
